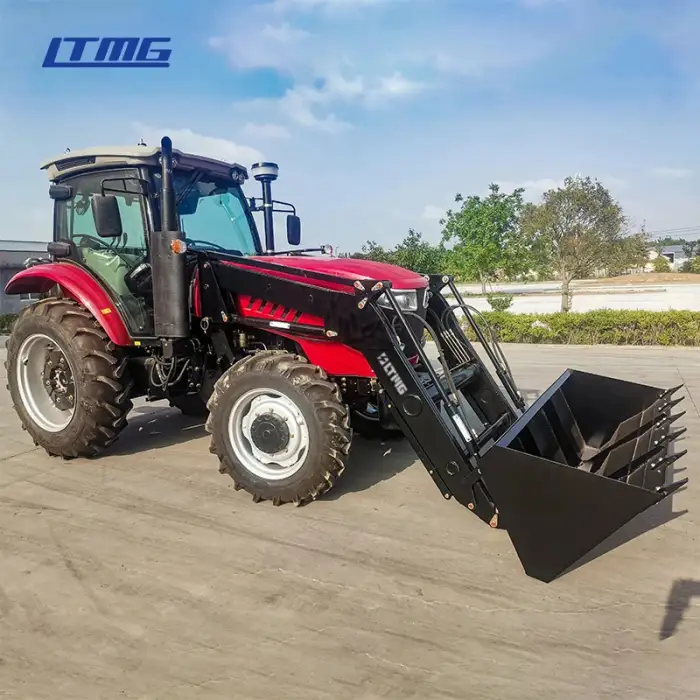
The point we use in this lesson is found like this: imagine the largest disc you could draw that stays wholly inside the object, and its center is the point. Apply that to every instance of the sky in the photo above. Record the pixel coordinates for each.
(378, 111)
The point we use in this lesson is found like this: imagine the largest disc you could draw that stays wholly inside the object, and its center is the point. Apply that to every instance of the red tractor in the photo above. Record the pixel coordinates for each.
(158, 285)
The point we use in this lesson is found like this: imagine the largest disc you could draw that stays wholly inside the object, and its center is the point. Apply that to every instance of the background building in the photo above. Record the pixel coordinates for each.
(12, 257)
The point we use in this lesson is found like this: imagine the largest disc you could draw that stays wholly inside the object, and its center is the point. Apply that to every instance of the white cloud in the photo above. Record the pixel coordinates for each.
(536, 4)
(534, 189)
(617, 183)
(433, 213)
(671, 173)
(189, 141)
(265, 131)
(327, 5)
(296, 105)
(284, 33)
(304, 104)
(391, 87)
(330, 68)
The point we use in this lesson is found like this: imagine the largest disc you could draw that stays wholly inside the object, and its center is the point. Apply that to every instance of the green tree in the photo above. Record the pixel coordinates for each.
(418, 255)
(690, 248)
(373, 251)
(577, 227)
(413, 253)
(629, 253)
(486, 237)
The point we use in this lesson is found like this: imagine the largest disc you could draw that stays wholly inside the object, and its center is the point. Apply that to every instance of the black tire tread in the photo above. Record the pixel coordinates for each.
(105, 388)
(324, 395)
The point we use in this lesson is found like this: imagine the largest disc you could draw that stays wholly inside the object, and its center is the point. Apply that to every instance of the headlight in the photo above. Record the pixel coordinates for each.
(407, 300)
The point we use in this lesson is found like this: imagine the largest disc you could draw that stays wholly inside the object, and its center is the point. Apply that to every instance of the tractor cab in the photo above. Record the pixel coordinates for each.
(107, 206)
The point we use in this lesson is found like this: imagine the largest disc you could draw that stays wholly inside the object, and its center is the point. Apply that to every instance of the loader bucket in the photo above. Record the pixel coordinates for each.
(586, 457)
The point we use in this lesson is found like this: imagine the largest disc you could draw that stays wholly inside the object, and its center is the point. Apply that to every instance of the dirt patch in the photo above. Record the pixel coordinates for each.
(645, 278)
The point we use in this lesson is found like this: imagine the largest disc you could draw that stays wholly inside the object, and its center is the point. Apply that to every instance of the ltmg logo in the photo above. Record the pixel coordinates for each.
(107, 52)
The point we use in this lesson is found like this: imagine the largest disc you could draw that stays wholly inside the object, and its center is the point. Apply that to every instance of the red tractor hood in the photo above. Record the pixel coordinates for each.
(351, 268)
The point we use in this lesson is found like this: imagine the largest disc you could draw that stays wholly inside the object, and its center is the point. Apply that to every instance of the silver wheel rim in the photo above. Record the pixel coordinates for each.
(33, 384)
(282, 464)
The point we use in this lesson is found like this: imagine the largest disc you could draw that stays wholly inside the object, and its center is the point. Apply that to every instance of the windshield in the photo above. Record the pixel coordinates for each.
(213, 214)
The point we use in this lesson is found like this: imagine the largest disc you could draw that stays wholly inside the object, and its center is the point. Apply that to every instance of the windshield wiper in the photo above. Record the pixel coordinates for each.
(196, 175)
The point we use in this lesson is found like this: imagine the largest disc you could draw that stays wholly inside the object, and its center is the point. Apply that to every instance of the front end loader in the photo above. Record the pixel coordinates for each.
(158, 285)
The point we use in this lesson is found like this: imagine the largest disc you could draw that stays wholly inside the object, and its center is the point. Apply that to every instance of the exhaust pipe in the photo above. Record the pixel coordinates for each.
(170, 289)
(590, 454)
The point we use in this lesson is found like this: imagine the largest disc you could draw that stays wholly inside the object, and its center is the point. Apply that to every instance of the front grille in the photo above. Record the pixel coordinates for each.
(415, 325)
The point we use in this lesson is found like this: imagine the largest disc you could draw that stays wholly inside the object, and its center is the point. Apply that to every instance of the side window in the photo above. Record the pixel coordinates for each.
(75, 220)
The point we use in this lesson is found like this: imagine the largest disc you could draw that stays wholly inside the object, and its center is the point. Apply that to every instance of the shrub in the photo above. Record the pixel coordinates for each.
(661, 264)
(603, 327)
(692, 265)
(499, 302)
(6, 321)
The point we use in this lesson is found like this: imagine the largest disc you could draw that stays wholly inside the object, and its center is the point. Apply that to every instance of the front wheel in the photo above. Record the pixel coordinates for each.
(68, 384)
(279, 428)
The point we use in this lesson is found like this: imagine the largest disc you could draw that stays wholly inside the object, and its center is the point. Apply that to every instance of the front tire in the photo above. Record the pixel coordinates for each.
(279, 428)
(68, 383)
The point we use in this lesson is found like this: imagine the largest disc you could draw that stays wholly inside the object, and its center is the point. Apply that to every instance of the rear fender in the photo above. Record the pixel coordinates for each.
(75, 283)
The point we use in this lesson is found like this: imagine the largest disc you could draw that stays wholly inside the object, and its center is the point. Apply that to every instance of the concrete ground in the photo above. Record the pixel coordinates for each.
(647, 298)
(145, 575)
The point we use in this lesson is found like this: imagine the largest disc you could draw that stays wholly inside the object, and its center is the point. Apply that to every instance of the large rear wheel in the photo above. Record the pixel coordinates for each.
(68, 383)
(279, 428)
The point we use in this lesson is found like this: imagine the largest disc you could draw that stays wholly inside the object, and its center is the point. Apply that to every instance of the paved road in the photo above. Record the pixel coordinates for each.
(145, 575)
(672, 296)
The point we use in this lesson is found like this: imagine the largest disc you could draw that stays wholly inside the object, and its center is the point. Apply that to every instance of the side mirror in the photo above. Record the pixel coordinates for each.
(60, 249)
(108, 219)
(293, 229)
(60, 193)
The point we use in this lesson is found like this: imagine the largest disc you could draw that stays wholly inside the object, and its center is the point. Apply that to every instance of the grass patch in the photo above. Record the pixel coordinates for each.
(601, 327)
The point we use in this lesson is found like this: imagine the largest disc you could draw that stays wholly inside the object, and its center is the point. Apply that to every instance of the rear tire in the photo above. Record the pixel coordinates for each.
(86, 374)
(276, 403)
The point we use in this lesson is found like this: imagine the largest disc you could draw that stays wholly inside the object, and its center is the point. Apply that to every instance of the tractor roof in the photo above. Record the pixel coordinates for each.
(99, 157)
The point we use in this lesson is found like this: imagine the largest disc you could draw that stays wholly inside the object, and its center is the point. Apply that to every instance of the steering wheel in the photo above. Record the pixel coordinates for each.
(103, 246)
(208, 244)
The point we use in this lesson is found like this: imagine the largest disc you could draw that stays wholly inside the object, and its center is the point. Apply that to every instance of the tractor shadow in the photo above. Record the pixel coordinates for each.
(680, 598)
(656, 516)
(155, 426)
(371, 462)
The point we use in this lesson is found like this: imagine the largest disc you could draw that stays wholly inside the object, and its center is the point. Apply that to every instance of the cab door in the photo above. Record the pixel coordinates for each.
(110, 260)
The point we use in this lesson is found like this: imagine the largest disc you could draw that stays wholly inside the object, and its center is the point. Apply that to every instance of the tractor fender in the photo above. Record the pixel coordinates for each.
(76, 283)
